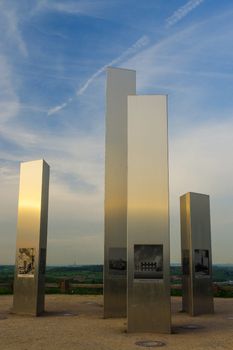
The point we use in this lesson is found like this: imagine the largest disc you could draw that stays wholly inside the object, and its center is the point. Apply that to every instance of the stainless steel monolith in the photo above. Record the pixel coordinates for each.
(120, 84)
(31, 245)
(196, 254)
(148, 299)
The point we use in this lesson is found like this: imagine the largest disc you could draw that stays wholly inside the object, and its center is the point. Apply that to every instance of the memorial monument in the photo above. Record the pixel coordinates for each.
(120, 84)
(148, 258)
(196, 254)
(30, 264)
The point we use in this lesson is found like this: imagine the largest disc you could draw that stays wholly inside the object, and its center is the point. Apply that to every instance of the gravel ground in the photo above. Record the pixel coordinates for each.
(76, 322)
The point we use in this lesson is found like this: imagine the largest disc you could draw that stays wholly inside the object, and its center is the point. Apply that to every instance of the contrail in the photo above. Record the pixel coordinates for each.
(140, 43)
(144, 40)
(182, 12)
(57, 108)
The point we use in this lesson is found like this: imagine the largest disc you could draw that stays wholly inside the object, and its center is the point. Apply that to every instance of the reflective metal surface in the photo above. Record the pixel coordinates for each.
(148, 297)
(196, 254)
(29, 281)
(120, 83)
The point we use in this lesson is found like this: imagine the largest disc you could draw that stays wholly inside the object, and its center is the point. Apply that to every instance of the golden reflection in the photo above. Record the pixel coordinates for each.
(29, 204)
(31, 237)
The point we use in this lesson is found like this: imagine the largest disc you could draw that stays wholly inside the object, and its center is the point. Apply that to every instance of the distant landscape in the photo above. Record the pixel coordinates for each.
(88, 279)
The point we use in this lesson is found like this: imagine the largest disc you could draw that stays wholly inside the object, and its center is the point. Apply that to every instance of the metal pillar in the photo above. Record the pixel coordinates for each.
(196, 254)
(29, 281)
(148, 306)
(120, 84)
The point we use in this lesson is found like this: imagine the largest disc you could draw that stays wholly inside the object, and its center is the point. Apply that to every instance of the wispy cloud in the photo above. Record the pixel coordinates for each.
(78, 7)
(11, 28)
(173, 62)
(138, 45)
(9, 102)
(182, 12)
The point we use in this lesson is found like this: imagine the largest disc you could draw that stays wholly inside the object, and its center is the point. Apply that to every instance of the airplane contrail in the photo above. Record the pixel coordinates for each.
(182, 12)
(140, 43)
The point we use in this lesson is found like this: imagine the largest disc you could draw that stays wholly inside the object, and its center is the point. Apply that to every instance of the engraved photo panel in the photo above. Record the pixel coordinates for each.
(148, 261)
(201, 260)
(42, 261)
(26, 262)
(185, 262)
(117, 261)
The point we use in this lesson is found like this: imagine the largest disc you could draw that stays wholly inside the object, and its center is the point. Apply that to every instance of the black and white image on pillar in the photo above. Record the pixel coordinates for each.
(26, 262)
(148, 261)
(117, 261)
(185, 261)
(42, 265)
(201, 259)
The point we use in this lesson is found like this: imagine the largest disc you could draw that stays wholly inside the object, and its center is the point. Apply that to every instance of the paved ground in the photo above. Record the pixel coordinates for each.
(76, 322)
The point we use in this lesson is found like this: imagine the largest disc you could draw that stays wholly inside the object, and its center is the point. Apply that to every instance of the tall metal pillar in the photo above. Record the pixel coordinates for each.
(196, 254)
(120, 84)
(29, 281)
(148, 306)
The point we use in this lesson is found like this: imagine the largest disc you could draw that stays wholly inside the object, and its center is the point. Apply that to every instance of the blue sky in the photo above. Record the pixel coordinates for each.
(53, 56)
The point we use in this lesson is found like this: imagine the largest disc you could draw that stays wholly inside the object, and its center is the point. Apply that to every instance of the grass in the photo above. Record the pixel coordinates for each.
(5, 291)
